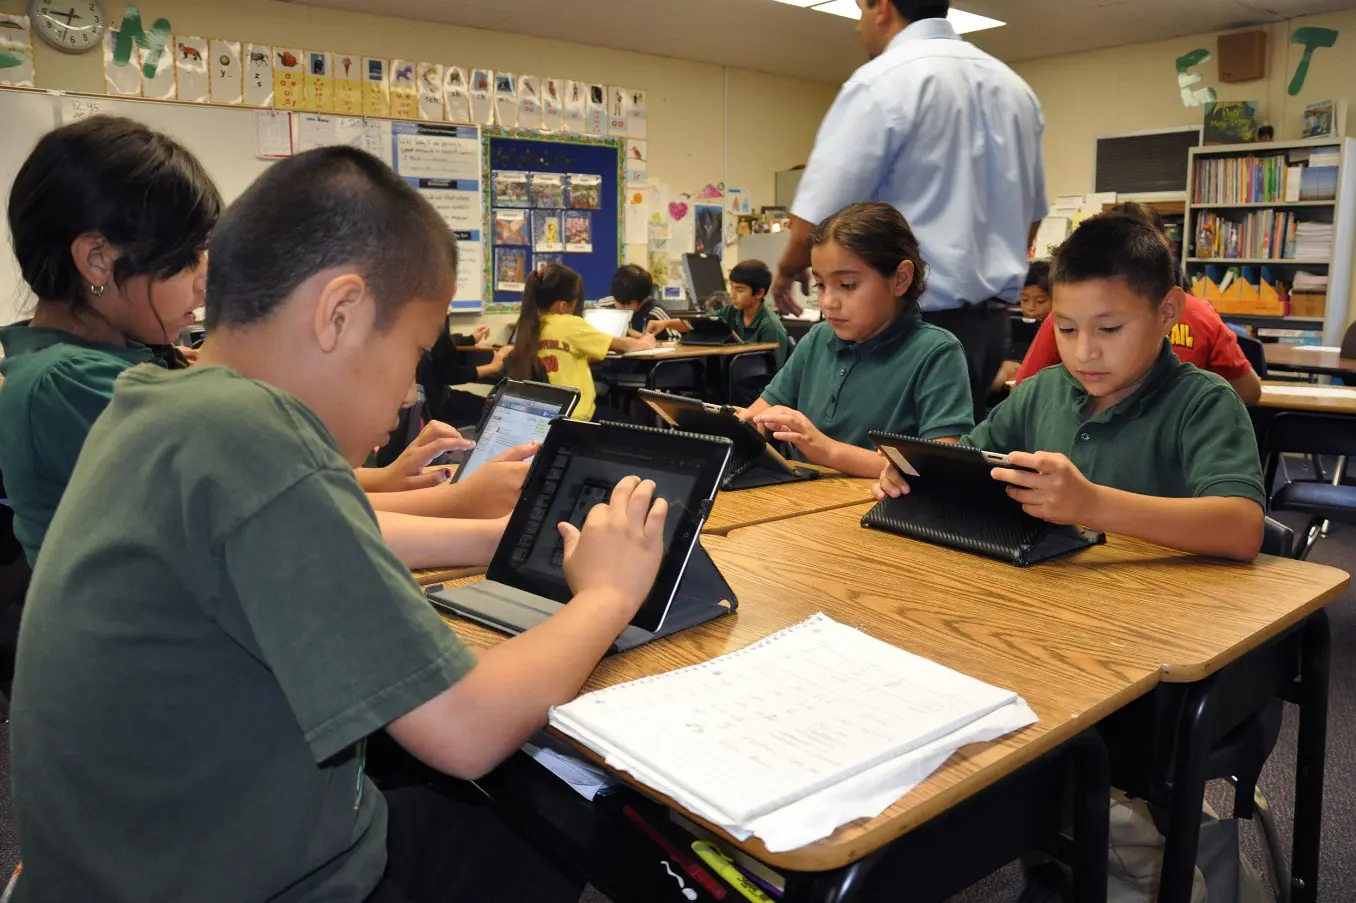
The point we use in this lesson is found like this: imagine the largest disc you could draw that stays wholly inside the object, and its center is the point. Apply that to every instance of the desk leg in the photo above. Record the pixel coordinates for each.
(1188, 792)
(1310, 752)
(1091, 819)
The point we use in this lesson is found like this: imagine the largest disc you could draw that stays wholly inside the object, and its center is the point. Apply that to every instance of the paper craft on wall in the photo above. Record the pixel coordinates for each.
(456, 102)
(509, 189)
(376, 87)
(546, 231)
(529, 102)
(541, 261)
(482, 96)
(404, 93)
(552, 104)
(616, 111)
(636, 164)
(578, 232)
(190, 61)
(430, 82)
(257, 62)
(682, 233)
(157, 74)
(319, 84)
(16, 51)
(510, 227)
(586, 191)
(635, 115)
(711, 191)
(510, 269)
(659, 267)
(506, 99)
(348, 84)
(576, 107)
(224, 72)
(710, 224)
(273, 133)
(596, 110)
(288, 76)
(641, 203)
(121, 78)
(548, 189)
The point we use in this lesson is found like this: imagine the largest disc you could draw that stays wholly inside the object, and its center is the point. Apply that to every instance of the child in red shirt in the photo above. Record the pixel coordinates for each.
(1199, 338)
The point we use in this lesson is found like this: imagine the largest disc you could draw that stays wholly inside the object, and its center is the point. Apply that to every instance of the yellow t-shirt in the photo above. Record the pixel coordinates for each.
(567, 345)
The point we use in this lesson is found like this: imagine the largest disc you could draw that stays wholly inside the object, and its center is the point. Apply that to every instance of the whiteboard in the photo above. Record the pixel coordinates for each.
(25, 116)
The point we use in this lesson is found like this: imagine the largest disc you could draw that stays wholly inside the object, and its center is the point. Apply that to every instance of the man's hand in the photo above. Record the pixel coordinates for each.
(784, 296)
(655, 327)
(617, 554)
(481, 334)
(1057, 492)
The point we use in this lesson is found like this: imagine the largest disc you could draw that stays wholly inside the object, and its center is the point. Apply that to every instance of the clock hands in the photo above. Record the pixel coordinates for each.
(70, 15)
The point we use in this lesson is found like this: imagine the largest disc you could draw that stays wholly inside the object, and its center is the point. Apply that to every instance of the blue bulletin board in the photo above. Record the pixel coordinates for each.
(537, 152)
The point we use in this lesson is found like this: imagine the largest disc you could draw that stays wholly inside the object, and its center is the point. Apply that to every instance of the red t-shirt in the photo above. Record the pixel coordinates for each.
(1200, 338)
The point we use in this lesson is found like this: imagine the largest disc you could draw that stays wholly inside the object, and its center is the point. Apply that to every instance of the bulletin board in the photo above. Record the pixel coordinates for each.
(517, 151)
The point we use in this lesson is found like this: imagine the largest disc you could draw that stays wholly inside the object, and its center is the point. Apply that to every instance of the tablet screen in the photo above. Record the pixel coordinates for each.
(514, 420)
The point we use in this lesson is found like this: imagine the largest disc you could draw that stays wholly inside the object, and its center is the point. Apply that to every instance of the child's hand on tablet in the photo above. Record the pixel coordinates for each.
(497, 484)
(618, 552)
(891, 484)
(407, 471)
(1057, 491)
(787, 425)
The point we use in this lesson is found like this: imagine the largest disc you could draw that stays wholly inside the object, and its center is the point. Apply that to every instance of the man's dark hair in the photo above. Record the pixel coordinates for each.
(1112, 246)
(330, 207)
(754, 274)
(1038, 275)
(632, 283)
(913, 10)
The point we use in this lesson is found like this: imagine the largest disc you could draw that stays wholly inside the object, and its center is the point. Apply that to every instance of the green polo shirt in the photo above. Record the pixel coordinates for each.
(911, 379)
(1184, 434)
(213, 628)
(766, 327)
(56, 386)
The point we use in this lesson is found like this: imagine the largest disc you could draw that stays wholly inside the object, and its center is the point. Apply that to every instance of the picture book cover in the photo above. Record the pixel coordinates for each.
(510, 227)
(578, 232)
(1324, 119)
(1231, 122)
(548, 189)
(510, 189)
(586, 192)
(510, 269)
(546, 231)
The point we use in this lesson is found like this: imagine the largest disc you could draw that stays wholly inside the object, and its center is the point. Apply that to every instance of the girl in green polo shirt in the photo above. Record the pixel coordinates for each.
(872, 363)
(109, 221)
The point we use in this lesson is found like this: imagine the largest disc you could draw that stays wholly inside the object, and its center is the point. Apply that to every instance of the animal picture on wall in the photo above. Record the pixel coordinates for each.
(190, 53)
(287, 59)
(258, 59)
(404, 73)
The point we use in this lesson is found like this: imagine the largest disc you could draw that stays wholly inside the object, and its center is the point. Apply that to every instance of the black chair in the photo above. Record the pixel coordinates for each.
(1255, 352)
(1349, 341)
(1315, 434)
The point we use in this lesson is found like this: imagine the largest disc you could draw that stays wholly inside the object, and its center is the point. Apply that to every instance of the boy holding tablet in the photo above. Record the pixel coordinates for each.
(218, 608)
(1125, 437)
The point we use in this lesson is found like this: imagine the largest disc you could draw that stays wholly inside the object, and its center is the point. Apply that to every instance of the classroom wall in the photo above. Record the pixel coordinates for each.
(772, 120)
(1134, 88)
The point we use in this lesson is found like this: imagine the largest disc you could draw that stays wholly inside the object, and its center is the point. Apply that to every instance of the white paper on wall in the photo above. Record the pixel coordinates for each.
(529, 102)
(430, 80)
(482, 96)
(552, 104)
(124, 79)
(161, 83)
(224, 66)
(596, 111)
(506, 99)
(456, 101)
(190, 61)
(576, 107)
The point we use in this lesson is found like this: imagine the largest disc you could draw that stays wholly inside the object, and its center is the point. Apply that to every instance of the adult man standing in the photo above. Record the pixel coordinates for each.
(951, 137)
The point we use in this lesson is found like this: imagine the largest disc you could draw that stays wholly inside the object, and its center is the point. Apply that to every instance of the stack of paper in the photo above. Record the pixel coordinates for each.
(1313, 241)
(1310, 282)
(792, 736)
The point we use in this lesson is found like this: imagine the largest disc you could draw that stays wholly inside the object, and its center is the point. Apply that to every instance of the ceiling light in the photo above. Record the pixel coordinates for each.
(960, 20)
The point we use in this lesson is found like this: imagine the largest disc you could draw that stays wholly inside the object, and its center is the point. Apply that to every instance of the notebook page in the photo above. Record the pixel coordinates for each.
(752, 731)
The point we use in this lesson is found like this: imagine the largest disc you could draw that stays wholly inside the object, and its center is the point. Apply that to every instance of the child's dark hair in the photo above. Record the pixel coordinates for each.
(632, 283)
(1142, 212)
(553, 282)
(1115, 246)
(878, 234)
(331, 207)
(754, 274)
(142, 191)
(1038, 275)
(913, 10)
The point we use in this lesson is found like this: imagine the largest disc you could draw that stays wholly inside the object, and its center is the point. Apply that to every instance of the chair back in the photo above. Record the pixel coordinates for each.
(1255, 352)
(1307, 434)
(1349, 342)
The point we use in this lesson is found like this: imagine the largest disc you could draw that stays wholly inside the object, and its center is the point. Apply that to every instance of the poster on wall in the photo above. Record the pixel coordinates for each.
(529, 102)
(444, 163)
(404, 94)
(190, 61)
(552, 104)
(616, 111)
(122, 77)
(288, 65)
(319, 86)
(376, 87)
(506, 99)
(596, 110)
(456, 102)
(16, 51)
(257, 63)
(227, 85)
(637, 166)
(710, 229)
(576, 107)
(578, 232)
(482, 96)
(160, 83)
(431, 91)
(348, 84)
(635, 115)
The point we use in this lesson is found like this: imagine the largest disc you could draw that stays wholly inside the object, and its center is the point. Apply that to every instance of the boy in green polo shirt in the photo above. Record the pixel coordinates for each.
(746, 314)
(1125, 437)
(215, 625)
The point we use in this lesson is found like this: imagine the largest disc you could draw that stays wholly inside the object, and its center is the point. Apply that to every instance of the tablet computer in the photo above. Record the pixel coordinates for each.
(613, 321)
(708, 331)
(575, 470)
(754, 461)
(519, 411)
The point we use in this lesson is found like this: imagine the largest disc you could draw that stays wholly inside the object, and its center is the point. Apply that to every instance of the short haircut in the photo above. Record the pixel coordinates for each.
(632, 283)
(141, 190)
(1038, 275)
(1111, 246)
(330, 207)
(877, 233)
(1142, 212)
(754, 274)
(913, 10)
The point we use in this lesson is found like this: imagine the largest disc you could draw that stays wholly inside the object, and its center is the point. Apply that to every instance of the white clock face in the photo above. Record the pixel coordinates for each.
(73, 26)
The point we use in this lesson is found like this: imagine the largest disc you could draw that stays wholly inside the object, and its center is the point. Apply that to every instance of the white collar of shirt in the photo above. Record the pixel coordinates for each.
(924, 30)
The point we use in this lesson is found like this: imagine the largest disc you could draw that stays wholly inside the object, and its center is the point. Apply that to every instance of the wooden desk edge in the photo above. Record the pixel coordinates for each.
(774, 518)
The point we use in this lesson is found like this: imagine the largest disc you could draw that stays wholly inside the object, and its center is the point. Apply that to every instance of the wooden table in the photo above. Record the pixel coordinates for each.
(749, 507)
(1283, 396)
(430, 576)
(685, 352)
(1305, 360)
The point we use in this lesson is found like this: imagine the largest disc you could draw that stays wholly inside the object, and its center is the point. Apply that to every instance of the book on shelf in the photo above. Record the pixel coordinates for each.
(1294, 176)
(1261, 234)
(1240, 180)
(1313, 241)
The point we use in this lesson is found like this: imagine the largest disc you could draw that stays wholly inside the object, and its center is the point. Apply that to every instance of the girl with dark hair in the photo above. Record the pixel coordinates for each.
(109, 221)
(872, 364)
(553, 341)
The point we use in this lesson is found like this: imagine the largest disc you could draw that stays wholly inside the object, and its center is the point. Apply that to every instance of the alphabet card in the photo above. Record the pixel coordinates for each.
(616, 111)
(227, 86)
(288, 66)
(552, 104)
(190, 61)
(404, 93)
(430, 79)
(529, 102)
(576, 107)
(635, 114)
(348, 84)
(319, 94)
(596, 123)
(157, 73)
(482, 98)
(506, 99)
(122, 75)
(456, 102)
(257, 64)
(376, 87)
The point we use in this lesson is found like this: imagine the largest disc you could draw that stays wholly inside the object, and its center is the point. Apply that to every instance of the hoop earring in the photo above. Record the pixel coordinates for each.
(97, 290)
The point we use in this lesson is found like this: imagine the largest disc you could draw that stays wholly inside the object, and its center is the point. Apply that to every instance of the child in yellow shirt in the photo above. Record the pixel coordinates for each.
(555, 342)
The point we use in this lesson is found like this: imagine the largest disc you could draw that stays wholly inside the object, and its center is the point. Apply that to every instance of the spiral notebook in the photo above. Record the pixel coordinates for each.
(763, 729)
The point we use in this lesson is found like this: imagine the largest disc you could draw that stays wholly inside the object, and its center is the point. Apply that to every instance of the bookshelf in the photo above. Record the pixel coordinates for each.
(1239, 216)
